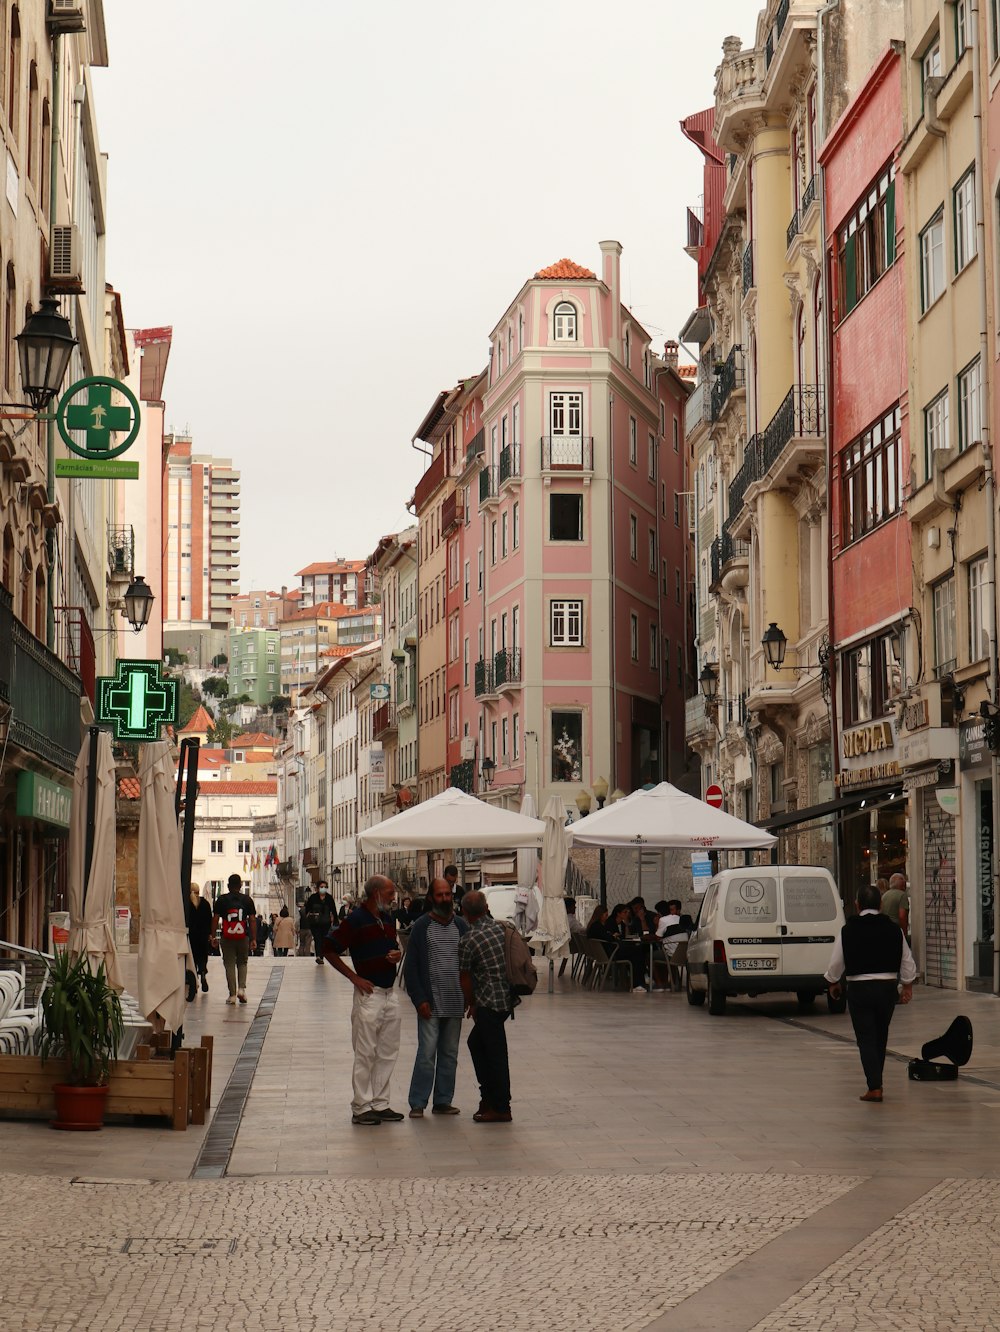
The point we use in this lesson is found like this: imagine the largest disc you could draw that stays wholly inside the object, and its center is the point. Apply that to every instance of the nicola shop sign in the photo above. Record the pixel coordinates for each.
(870, 739)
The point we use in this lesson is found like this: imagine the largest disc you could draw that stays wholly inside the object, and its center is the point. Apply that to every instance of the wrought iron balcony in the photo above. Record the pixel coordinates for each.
(383, 720)
(452, 512)
(809, 195)
(801, 415)
(463, 776)
(715, 560)
(731, 549)
(507, 667)
(510, 463)
(792, 230)
(774, 36)
(488, 487)
(748, 267)
(43, 694)
(476, 446)
(121, 551)
(484, 679)
(729, 376)
(570, 453)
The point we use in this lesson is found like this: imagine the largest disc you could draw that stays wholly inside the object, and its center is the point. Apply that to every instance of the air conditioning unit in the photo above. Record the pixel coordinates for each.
(67, 16)
(66, 258)
(468, 750)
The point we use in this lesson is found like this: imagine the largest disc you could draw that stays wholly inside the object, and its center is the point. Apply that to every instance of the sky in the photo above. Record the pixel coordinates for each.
(333, 204)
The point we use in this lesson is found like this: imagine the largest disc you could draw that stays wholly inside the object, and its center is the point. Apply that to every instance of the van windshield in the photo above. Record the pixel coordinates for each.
(809, 899)
(753, 901)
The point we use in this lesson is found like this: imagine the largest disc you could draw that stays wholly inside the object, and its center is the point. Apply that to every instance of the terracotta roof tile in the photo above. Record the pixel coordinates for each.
(251, 738)
(201, 721)
(239, 788)
(687, 371)
(331, 567)
(129, 788)
(563, 268)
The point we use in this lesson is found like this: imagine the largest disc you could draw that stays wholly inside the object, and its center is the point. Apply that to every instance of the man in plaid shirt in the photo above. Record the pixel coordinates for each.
(483, 974)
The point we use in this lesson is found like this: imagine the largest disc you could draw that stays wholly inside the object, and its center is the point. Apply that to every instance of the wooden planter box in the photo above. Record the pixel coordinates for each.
(178, 1089)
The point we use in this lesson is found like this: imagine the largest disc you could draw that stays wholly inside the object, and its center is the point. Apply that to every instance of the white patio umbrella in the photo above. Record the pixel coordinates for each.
(663, 816)
(164, 948)
(553, 923)
(91, 903)
(453, 820)
(527, 856)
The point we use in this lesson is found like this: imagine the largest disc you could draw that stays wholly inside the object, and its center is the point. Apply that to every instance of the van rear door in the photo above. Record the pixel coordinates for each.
(811, 915)
(752, 926)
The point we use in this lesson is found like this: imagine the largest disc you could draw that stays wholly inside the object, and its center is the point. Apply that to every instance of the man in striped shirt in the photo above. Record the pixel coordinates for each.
(431, 970)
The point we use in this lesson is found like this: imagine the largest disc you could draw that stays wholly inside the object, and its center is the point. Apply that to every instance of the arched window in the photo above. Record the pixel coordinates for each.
(627, 349)
(43, 156)
(40, 603)
(800, 346)
(10, 306)
(8, 559)
(32, 135)
(564, 322)
(13, 68)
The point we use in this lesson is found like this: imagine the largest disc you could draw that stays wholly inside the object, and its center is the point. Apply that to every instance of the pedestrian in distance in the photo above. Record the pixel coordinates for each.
(896, 902)
(235, 920)
(284, 933)
(369, 935)
(198, 914)
(489, 1002)
(432, 982)
(873, 954)
(451, 878)
(262, 936)
(319, 911)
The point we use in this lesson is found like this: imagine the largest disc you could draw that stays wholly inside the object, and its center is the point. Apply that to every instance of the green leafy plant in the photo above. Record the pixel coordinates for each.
(81, 1020)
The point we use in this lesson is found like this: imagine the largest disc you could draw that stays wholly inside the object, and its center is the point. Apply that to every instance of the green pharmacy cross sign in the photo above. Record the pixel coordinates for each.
(136, 700)
(88, 406)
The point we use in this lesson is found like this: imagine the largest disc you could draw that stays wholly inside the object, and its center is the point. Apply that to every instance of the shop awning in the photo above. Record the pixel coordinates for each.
(875, 797)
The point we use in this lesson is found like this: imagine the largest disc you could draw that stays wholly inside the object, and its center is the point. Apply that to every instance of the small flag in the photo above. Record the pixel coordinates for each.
(244, 865)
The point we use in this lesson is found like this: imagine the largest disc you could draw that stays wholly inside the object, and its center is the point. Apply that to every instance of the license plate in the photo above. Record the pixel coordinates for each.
(755, 964)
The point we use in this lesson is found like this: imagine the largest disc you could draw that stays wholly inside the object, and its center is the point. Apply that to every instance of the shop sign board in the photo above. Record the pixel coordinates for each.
(973, 751)
(868, 755)
(38, 798)
(376, 771)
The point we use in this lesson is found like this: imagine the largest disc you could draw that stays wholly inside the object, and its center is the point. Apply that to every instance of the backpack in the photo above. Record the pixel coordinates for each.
(518, 962)
(233, 925)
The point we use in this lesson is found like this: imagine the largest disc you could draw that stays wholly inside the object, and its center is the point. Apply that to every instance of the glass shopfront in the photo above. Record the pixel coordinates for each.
(872, 847)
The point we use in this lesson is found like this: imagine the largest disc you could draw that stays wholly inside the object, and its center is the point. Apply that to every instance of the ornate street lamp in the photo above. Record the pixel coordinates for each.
(709, 681)
(774, 643)
(489, 767)
(138, 603)
(44, 348)
(583, 803)
(600, 790)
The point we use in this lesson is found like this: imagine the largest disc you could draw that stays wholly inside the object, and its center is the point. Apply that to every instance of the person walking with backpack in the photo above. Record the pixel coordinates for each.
(236, 918)
(318, 911)
(430, 966)
(482, 961)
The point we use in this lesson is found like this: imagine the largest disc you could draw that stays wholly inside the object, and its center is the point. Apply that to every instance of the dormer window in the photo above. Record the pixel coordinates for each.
(564, 322)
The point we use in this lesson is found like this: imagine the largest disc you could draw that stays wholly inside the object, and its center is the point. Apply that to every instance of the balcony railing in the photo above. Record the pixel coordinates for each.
(809, 195)
(43, 694)
(748, 267)
(452, 512)
(121, 551)
(507, 667)
(484, 678)
(731, 549)
(74, 645)
(698, 408)
(801, 415)
(463, 776)
(792, 230)
(487, 484)
(774, 36)
(729, 376)
(383, 719)
(715, 560)
(476, 446)
(510, 463)
(571, 453)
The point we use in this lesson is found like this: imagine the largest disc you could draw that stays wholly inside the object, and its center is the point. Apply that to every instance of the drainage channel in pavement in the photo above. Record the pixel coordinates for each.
(213, 1159)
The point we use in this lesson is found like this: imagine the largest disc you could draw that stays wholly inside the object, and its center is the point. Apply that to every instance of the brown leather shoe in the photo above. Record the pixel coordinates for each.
(445, 1110)
(874, 1096)
(492, 1117)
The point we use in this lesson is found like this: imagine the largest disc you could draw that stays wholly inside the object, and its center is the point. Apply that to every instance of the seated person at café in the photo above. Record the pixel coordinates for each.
(673, 928)
(640, 923)
(631, 948)
(577, 929)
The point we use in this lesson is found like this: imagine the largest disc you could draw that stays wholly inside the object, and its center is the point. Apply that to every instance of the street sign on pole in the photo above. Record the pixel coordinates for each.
(714, 796)
(136, 701)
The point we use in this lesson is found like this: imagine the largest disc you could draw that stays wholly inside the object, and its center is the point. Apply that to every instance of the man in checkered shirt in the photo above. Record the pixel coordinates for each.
(489, 1002)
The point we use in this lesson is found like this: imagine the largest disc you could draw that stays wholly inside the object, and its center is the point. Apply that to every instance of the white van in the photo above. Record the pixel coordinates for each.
(764, 929)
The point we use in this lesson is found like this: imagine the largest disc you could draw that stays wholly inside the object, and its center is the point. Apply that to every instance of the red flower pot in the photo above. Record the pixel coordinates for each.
(79, 1109)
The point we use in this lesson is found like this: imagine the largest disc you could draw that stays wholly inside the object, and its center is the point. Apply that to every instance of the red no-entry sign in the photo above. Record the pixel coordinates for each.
(713, 796)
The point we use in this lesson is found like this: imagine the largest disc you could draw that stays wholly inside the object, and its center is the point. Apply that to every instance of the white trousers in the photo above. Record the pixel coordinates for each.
(375, 1034)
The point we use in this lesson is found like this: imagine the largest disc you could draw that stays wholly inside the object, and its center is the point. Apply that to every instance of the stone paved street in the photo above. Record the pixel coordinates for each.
(665, 1170)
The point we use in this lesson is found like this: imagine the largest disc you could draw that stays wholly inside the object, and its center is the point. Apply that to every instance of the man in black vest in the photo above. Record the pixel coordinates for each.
(874, 955)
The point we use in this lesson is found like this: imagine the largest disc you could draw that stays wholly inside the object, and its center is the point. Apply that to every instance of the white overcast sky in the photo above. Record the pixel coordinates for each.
(332, 204)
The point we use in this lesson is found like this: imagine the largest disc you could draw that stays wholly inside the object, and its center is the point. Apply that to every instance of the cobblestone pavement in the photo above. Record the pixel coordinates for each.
(574, 1252)
(665, 1172)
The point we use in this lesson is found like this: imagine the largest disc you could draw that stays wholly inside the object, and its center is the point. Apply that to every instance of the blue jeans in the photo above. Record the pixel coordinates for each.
(436, 1062)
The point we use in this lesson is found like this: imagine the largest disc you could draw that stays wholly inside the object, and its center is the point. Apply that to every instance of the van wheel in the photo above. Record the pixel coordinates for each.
(716, 1000)
(806, 998)
(695, 997)
(836, 1005)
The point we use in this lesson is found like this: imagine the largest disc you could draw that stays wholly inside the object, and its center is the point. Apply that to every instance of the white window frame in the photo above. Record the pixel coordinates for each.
(932, 279)
(566, 622)
(964, 214)
(633, 536)
(633, 441)
(565, 322)
(961, 27)
(516, 730)
(936, 428)
(930, 62)
(945, 638)
(979, 589)
(970, 401)
(516, 525)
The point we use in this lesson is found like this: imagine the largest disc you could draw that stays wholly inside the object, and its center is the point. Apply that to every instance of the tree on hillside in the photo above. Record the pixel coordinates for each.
(221, 733)
(174, 657)
(220, 660)
(187, 704)
(216, 686)
(279, 703)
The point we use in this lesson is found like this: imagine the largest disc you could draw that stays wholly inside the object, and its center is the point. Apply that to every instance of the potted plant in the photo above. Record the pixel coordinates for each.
(82, 1023)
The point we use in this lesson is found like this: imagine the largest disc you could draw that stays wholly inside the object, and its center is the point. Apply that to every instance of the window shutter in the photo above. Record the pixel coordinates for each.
(850, 274)
(890, 224)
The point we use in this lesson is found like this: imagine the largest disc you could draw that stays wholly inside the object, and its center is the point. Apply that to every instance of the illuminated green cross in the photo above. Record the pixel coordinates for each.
(98, 419)
(136, 700)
